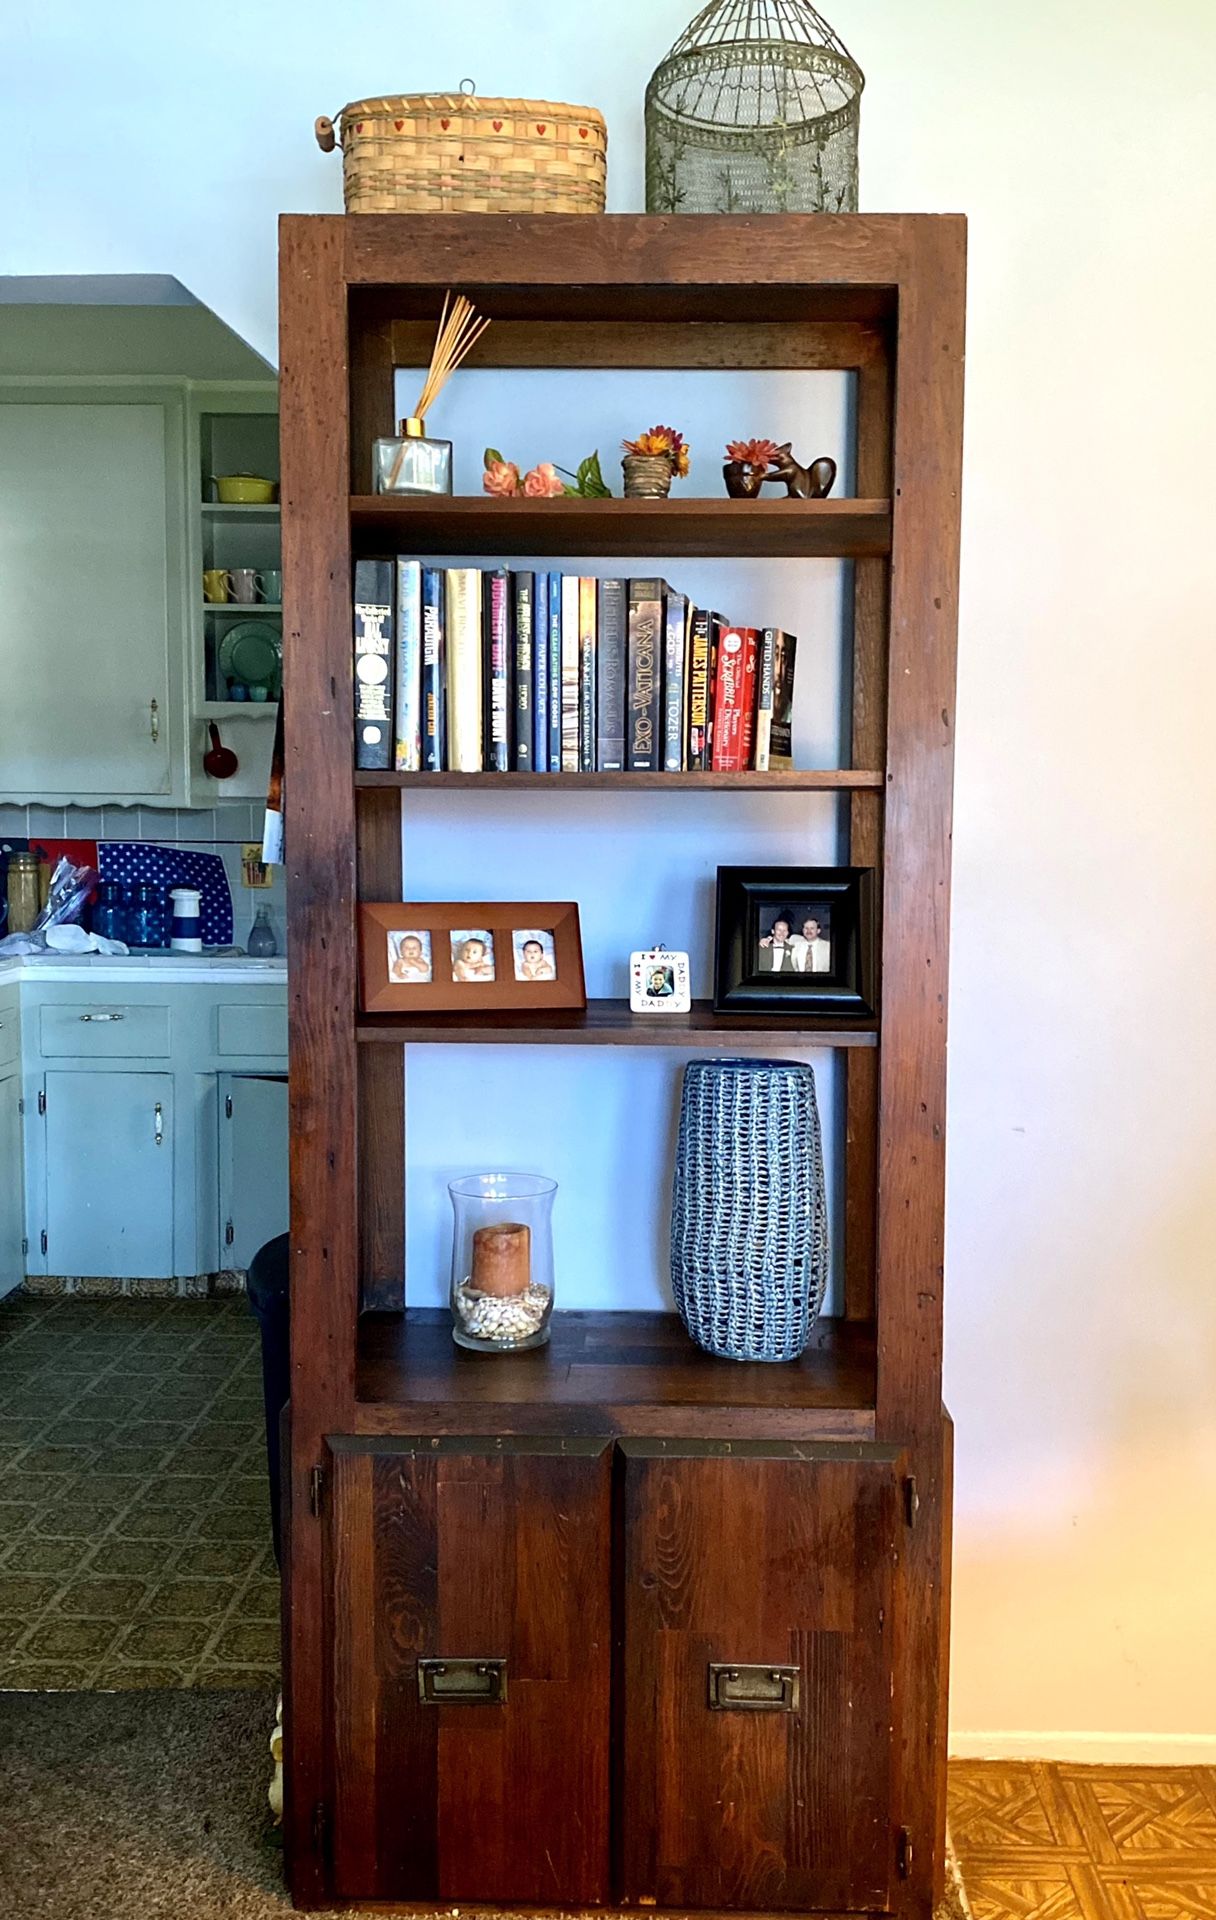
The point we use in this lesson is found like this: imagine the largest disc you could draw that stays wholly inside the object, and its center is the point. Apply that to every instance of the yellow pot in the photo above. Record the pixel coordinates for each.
(244, 490)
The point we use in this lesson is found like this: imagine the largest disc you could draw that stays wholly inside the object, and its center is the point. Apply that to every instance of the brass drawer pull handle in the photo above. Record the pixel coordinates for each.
(756, 1689)
(462, 1683)
(102, 1016)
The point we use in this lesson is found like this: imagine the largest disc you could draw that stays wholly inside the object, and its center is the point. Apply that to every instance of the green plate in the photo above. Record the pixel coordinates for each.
(252, 652)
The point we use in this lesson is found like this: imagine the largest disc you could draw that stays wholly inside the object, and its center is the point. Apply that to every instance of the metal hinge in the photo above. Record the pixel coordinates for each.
(42, 1239)
(20, 1105)
(911, 1500)
(320, 1829)
(903, 1853)
(25, 1246)
(316, 1490)
(227, 1106)
(229, 1233)
(41, 1100)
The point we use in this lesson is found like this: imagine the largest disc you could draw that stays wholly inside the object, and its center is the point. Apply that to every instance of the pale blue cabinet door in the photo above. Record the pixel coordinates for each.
(12, 1184)
(253, 1165)
(109, 1174)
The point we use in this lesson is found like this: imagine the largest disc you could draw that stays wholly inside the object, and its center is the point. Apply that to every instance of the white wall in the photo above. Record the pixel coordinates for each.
(1082, 1312)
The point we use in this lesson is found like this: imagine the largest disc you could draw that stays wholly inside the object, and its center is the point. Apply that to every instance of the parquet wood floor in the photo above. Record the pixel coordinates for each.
(1041, 1841)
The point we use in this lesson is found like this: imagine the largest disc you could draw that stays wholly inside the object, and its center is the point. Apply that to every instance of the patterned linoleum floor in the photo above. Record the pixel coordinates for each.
(1049, 1842)
(135, 1546)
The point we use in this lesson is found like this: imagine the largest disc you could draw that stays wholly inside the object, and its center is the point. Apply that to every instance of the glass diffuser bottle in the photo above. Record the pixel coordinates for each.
(502, 1261)
(412, 462)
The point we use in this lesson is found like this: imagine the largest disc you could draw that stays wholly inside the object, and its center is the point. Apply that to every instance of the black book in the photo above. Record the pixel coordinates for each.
(374, 664)
(610, 673)
(525, 679)
(700, 690)
(497, 724)
(644, 677)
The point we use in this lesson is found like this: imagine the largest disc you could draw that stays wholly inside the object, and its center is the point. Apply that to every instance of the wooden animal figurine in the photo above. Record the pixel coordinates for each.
(802, 483)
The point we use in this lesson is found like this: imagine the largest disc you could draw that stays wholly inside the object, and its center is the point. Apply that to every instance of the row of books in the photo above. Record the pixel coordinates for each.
(463, 670)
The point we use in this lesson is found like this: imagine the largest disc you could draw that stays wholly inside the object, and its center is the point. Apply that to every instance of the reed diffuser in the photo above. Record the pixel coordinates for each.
(412, 462)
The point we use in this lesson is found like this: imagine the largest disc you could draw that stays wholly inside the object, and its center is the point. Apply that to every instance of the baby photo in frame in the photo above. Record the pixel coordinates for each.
(422, 957)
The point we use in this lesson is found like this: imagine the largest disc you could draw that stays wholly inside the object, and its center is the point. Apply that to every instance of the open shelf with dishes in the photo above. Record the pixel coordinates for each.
(417, 1469)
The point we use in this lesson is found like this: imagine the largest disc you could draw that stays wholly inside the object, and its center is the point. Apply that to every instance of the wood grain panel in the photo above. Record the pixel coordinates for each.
(320, 828)
(611, 1023)
(381, 1084)
(801, 346)
(754, 1553)
(472, 1549)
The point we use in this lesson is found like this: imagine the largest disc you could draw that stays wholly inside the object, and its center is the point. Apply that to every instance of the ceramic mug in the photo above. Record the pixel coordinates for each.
(270, 585)
(243, 585)
(215, 584)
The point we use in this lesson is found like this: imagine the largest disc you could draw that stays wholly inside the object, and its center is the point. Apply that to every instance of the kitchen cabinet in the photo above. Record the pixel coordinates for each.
(92, 628)
(113, 1053)
(109, 1200)
(12, 1229)
(253, 1164)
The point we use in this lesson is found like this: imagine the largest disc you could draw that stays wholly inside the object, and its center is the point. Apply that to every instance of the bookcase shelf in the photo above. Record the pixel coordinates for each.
(611, 1023)
(809, 780)
(638, 1371)
(677, 527)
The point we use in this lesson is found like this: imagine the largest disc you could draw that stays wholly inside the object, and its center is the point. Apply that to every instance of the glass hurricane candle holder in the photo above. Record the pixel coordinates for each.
(502, 1261)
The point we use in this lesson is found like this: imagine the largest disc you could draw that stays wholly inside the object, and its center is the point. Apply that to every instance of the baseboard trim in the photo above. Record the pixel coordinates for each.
(1089, 1749)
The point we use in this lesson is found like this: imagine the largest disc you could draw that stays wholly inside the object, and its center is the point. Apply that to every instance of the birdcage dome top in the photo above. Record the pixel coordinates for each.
(756, 64)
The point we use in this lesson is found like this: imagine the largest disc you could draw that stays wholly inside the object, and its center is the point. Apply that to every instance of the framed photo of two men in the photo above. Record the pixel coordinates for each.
(795, 940)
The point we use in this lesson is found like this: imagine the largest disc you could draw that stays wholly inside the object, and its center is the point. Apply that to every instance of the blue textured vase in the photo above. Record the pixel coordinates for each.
(749, 1237)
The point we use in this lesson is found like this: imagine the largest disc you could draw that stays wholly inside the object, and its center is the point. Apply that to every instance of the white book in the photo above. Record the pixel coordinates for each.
(407, 752)
(463, 609)
(570, 672)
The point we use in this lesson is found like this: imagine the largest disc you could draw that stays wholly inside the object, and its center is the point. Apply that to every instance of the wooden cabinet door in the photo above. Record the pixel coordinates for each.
(253, 1164)
(777, 1564)
(481, 1551)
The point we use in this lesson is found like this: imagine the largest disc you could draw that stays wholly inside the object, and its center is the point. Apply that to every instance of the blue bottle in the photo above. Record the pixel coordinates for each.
(109, 918)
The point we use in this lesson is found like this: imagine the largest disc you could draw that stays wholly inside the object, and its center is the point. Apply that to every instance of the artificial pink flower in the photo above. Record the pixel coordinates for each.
(501, 477)
(544, 482)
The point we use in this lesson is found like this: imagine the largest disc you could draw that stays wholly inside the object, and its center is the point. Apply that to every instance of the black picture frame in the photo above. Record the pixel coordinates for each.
(750, 899)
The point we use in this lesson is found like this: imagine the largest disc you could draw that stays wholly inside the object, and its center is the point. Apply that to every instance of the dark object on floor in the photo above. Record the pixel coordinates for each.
(144, 1806)
(802, 483)
(270, 1299)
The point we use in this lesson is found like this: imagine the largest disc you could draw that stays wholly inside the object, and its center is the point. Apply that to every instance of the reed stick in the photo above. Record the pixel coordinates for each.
(460, 328)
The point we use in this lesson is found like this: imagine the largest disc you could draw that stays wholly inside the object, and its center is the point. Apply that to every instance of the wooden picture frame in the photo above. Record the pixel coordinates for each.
(470, 956)
(760, 969)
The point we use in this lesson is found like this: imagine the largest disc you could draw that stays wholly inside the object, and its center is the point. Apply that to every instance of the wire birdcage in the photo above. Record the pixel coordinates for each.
(754, 110)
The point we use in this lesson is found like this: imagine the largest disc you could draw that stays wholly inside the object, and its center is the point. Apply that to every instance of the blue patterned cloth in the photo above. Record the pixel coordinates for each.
(133, 862)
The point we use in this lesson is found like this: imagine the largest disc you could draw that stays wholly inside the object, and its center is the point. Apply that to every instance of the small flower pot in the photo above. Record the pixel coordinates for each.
(743, 479)
(648, 476)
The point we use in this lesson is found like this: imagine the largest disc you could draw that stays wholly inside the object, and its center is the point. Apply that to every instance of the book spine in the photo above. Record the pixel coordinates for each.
(521, 751)
(570, 667)
(764, 701)
(462, 634)
(434, 691)
(373, 664)
(555, 673)
(540, 673)
(407, 749)
(734, 693)
(496, 668)
(610, 678)
(716, 624)
(785, 648)
(645, 676)
(747, 738)
(587, 599)
(675, 624)
(698, 690)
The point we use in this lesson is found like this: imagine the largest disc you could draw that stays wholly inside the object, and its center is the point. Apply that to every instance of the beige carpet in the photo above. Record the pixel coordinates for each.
(141, 1806)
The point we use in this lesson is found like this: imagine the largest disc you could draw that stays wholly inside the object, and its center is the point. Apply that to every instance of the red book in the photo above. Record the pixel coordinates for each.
(735, 700)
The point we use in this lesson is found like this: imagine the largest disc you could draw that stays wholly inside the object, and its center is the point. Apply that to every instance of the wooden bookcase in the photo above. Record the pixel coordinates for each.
(617, 1512)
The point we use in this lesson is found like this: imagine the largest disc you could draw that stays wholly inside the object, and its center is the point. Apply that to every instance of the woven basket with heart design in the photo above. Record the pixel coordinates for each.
(460, 153)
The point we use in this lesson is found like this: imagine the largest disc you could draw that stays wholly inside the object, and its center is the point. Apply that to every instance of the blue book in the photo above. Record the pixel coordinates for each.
(434, 674)
(555, 673)
(540, 674)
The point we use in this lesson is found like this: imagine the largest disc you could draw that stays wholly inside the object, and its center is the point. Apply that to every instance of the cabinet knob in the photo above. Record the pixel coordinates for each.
(86, 1017)
(159, 1125)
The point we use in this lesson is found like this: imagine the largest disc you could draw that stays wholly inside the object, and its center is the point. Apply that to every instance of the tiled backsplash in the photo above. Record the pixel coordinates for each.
(220, 830)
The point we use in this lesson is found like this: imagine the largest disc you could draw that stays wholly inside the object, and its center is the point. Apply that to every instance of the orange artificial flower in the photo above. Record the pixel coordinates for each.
(543, 482)
(662, 440)
(752, 453)
(501, 477)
